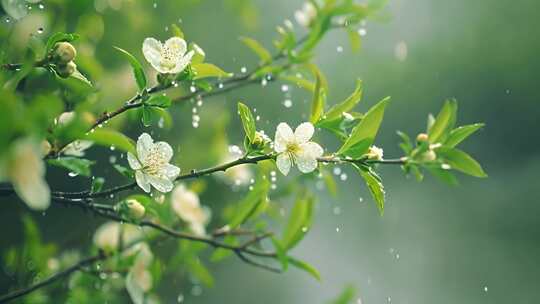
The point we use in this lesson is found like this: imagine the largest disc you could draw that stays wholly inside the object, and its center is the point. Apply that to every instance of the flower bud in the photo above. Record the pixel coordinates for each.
(199, 55)
(260, 140)
(64, 52)
(65, 118)
(66, 70)
(135, 209)
(45, 147)
(375, 153)
(422, 137)
(429, 156)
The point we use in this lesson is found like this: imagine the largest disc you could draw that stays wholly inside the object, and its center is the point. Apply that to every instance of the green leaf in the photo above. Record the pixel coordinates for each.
(138, 71)
(200, 272)
(257, 48)
(205, 70)
(406, 145)
(124, 171)
(317, 103)
(97, 184)
(348, 104)
(299, 81)
(460, 134)
(221, 253)
(461, 161)
(346, 296)
(444, 175)
(162, 101)
(281, 254)
(299, 222)
(444, 122)
(354, 39)
(177, 32)
(248, 122)
(59, 37)
(367, 128)
(79, 166)
(110, 138)
(305, 267)
(375, 186)
(247, 207)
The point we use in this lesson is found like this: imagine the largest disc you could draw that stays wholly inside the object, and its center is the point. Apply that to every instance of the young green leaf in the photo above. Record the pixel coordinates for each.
(444, 122)
(161, 101)
(281, 254)
(124, 171)
(305, 267)
(248, 122)
(97, 184)
(257, 48)
(461, 133)
(461, 161)
(299, 222)
(346, 296)
(110, 138)
(375, 186)
(177, 32)
(348, 104)
(367, 128)
(317, 103)
(78, 166)
(205, 70)
(299, 82)
(138, 71)
(247, 207)
(444, 175)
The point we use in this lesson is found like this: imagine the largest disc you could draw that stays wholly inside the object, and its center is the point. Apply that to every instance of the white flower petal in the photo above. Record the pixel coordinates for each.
(311, 149)
(284, 163)
(177, 45)
(144, 145)
(34, 191)
(152, 52)
(306, 163)
(170, 171)
(142, 181)
(182, 63)
(284, 135)
(133, 162)
(197, 229)
(304, 132)
(165, 150)
(162, 184)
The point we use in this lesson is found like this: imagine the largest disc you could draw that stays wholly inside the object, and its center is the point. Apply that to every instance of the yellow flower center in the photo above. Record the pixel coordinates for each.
(293, 148)
(154, 162)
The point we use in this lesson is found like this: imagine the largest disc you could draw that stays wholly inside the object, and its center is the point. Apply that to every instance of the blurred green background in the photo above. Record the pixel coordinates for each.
(474, 243)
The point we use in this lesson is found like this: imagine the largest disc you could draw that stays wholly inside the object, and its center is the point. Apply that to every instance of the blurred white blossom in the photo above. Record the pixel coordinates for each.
(306, 15)
(25, 169)
(169, 57)
(186, 205)
(295, 148)
(107, 236)
(139, 279)
(152, 166)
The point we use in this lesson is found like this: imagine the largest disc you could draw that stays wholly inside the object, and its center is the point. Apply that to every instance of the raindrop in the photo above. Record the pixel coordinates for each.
(337, 210)
(257, 118)
(112, 159)
(192, 89)
(199, 101)
(40, 30)
(339, 49)
(220, 85)
(362, 31)
(155, 5)
(273, 186)
(485, 289)
(389, 299)
(243, 70)
(361, 199)
(284, 88)
(337, 171)
(304, 229)
(196, 290)
(72, 174)
(112, 148)
(337, 229)
(180, 298)
(343, 176)
(41, 6)
(264, 82)
(287, 103)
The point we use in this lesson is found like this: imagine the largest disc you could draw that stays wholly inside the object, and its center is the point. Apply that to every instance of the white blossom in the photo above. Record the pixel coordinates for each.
(375, 153)
(25, 169)
(169, 57)
(107, 236)
(139, 279)
(152, 166)
(77, 148)
(186, 205)
(238, 175)
(306, 15)
(295, 148)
